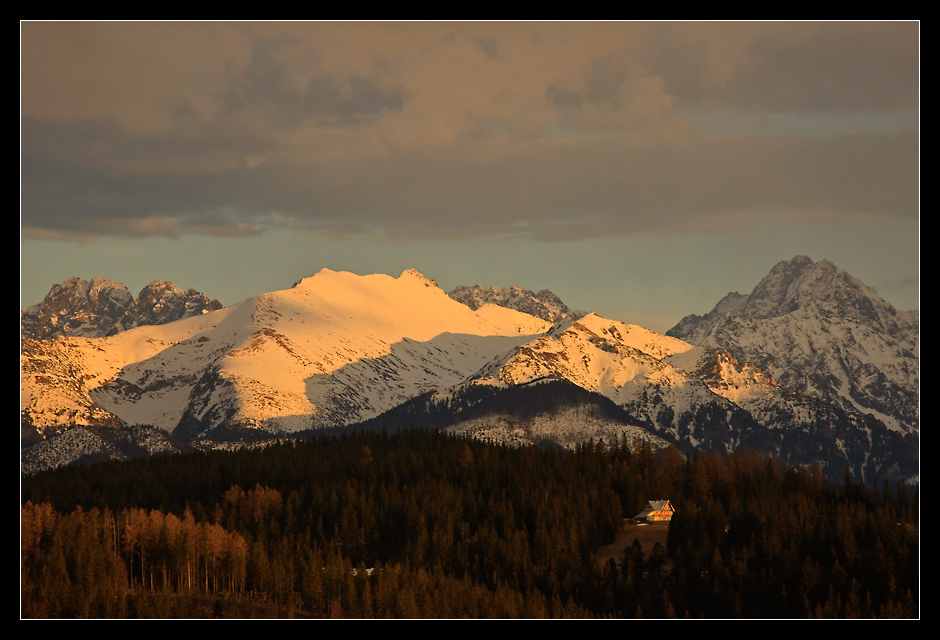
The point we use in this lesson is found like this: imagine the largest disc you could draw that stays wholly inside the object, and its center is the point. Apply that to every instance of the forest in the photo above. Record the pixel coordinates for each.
(420, 524)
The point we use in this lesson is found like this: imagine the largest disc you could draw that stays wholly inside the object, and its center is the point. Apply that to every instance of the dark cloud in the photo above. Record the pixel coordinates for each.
(834, 68)
(77, 175)
(829, 66)
(489, 46)
(285, 83)
(570, 189)
(602, 84)
(458, 130)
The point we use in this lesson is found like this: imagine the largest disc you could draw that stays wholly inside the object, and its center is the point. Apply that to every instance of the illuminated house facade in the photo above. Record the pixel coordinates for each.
(656, 511)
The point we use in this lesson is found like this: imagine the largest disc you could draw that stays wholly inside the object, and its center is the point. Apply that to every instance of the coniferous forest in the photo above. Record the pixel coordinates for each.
(418, 524)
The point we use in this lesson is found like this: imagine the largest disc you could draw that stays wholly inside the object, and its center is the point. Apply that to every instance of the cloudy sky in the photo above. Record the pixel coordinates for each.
(642, 170)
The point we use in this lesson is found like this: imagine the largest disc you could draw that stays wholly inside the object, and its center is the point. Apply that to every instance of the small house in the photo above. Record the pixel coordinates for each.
(656, 511)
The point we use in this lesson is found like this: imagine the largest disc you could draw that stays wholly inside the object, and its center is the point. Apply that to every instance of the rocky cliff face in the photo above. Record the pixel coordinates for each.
(161, 302)
(77, 308)
(102, 307)
(544, 304)
(817, 329)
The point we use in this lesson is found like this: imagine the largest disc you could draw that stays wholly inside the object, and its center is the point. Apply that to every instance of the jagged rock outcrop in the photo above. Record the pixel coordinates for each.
(103, 307)
(161, 302)
(544, 304)
(77, 308)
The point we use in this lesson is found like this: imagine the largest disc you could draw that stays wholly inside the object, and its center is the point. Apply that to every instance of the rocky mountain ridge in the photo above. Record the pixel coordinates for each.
(818, 330)
(101, 308)
(544, 304)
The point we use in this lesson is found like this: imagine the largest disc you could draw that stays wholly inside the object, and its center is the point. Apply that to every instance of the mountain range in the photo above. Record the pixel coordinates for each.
(812, 365)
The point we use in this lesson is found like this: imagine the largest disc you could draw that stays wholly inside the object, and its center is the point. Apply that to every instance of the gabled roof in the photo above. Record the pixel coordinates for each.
(654, 505)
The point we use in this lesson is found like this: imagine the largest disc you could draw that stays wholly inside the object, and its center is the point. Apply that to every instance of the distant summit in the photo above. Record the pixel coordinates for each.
(819, 330)
(544, 304)
(102, 307)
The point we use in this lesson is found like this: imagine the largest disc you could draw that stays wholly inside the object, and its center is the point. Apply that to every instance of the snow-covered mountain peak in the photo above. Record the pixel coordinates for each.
(418, 276)
(772, 294)
(817, 329)
(594, 352)
(326, 281)
(800, 283)
(77, 307)
(319, 276)
(385, 307)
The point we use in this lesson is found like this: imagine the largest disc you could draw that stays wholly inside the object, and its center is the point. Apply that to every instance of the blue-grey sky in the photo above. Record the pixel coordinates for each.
(642, 170)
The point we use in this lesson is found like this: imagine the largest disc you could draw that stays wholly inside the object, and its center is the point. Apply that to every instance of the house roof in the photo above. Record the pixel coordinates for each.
(654, 505)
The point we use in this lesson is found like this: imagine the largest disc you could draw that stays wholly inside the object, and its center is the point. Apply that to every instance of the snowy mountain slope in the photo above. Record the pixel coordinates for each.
(545, 413)
(103, 307)
(818, 330)
(91, 444)
(742, 383)
(54, 385)
(363, 345)
(566, 428)
(749, 387)
(696, 396)
(802, 428)
(626, 364)
(544, 304)
(62, 379)
(335, 348)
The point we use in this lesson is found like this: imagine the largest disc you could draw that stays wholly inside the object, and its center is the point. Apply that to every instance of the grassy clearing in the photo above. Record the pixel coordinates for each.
(647, 534)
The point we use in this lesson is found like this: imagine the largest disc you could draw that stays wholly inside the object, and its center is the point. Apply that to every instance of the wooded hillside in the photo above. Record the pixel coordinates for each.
(452, 527)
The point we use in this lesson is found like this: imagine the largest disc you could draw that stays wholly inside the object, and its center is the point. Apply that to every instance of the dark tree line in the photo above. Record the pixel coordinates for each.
(420, 524)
